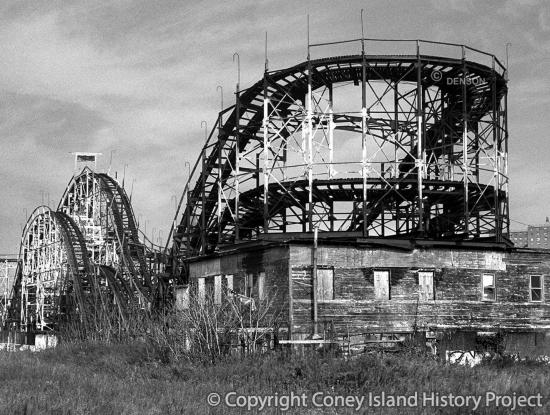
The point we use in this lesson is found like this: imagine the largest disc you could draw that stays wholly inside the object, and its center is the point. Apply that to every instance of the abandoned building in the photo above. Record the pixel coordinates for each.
(459, 291)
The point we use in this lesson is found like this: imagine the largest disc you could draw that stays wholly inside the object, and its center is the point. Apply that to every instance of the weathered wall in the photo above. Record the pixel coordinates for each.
(528, 344)
(457, 280)
(272, 261)
(457, 308)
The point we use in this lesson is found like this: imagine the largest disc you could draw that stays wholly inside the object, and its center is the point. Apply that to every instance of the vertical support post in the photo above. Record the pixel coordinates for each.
(265, 126)
(309, 134)
(395, 144)
(220, 185)
(507, 230)
(188, 219)
(237, 166)
(496, 147)
(447, 173)
(425, 115)
(330, 132)
(87, 205)
(395, 127)
(465, 143)
(314, 282)
(364, 170)
(237, 147)
(419, 140)
(257, 175)
(203, 201)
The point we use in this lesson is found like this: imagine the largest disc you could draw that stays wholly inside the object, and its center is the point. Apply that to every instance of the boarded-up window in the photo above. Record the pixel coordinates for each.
(261, 285)
(254, 285)
(536, 287)
(209, 288)
(250, 281)
(182, 298)
(382, 285)
(201, 289)
(325, 284)
(426, 285)
(229, 284)
(218, 289)
(488, 287)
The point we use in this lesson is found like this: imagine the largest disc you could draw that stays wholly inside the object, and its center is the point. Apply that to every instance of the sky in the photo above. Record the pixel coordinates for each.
(133, 79)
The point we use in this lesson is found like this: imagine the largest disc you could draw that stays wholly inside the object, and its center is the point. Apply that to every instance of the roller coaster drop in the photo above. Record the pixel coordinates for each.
(419, 153)
(82, 257)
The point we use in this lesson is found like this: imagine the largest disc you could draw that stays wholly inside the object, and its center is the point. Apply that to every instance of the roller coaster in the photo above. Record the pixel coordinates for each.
(422, 154)
(364, 147)
(81, 257)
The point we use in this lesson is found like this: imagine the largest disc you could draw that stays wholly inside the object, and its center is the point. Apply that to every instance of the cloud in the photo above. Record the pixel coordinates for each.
(37, 134)
(46, 122)
(517, 8)
(462, 6)
(137, 77)
(544, 20)
(36, 59)
(532, 92)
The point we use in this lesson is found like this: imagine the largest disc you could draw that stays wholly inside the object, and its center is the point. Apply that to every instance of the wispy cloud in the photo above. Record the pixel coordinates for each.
(134, 78)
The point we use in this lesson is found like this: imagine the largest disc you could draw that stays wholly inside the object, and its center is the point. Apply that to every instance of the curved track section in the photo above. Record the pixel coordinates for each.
(56, 273)
(102, 210)
(385, 146)
(84, 261)
(387, 192)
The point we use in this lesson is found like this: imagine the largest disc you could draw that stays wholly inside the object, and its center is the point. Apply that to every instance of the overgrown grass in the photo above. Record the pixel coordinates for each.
(131, 379)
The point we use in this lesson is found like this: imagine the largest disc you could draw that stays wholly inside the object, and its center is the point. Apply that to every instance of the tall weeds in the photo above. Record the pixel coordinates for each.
(205, 330)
